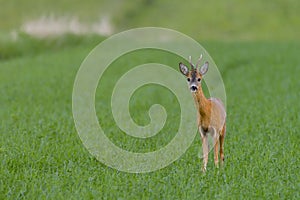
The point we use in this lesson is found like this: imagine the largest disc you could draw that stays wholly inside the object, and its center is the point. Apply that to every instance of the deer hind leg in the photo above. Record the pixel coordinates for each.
(215, 136)
(204, 139)
(222, 138)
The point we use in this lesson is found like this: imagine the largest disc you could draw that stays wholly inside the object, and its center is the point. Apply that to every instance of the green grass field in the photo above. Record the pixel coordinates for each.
(42, 156)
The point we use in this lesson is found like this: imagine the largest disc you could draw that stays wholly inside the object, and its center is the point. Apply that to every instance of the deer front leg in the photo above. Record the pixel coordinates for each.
(204, 139)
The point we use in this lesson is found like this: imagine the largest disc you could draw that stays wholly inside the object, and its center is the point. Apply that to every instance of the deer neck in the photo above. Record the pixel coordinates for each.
(201, 101)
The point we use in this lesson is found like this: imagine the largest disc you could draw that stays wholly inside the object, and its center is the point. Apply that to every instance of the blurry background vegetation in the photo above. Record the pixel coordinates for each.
(203, 20)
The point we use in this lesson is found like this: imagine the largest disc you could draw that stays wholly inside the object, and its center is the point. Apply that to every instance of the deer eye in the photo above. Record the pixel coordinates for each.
(188, 79)
(199, 79)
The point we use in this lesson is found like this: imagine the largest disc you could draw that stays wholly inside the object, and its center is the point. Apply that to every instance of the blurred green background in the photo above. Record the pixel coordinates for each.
(204, 20)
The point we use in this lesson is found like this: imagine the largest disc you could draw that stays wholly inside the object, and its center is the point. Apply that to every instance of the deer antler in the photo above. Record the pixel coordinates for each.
(190, 61)
(198, 62)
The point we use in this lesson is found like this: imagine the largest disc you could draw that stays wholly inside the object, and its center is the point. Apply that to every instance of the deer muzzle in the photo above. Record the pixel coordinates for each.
(193, 88)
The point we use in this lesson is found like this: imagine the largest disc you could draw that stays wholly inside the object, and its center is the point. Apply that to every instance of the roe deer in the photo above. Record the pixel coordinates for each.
(211, 113)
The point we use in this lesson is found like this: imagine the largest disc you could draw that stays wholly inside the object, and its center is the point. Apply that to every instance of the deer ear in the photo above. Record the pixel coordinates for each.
(183, 69)
(204, 68)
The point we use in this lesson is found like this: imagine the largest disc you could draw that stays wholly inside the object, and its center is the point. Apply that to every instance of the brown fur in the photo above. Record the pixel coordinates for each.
(211, 115)
(211, 118)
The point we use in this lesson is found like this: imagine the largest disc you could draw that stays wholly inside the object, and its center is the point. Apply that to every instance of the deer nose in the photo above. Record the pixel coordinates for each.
(194, 88)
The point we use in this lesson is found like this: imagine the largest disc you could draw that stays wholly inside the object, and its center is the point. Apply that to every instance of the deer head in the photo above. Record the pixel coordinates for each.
(194, 76)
